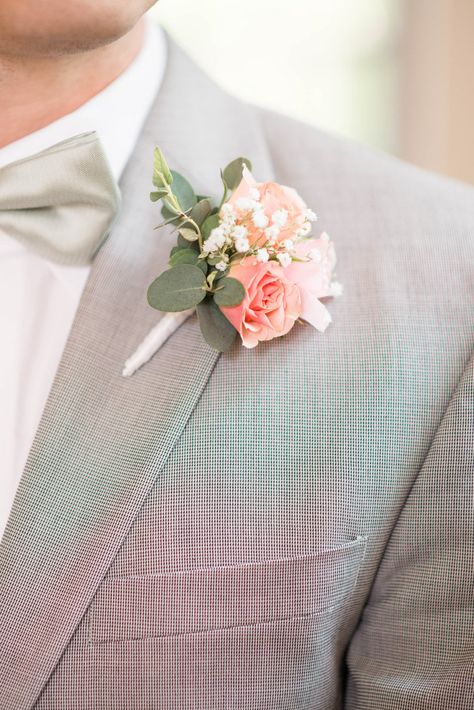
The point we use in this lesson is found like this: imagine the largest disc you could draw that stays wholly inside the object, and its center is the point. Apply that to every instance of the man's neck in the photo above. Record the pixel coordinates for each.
(34, 93)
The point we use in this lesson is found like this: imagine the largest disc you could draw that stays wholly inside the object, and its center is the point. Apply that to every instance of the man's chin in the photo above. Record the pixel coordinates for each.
(73, 34)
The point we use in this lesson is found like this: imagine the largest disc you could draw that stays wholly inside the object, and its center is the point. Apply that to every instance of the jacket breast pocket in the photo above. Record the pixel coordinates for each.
(225, 597)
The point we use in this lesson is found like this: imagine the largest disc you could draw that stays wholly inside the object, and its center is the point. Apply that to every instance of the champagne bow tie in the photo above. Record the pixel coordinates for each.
(62, 202)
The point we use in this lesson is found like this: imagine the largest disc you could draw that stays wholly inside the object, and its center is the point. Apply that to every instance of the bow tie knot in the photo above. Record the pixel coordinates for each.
(61, 202)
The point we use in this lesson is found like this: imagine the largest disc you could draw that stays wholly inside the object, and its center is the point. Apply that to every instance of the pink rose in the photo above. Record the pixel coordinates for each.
(271, 305)
(313, 278)
(276, 294)
(273, 198)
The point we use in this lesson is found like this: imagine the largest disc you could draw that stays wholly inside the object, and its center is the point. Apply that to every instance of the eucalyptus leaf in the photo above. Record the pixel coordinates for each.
(187, 256)
(183, 192)
(171, 209)
(213, 260)
(230, 292)
(200, 211)
(221, 275)
(188, 234)
(209, 224)
(226, 188)
(177, 289)
(161, 172)
(232, 173)
(184, 244)
(211, 277)
(158, 194)
(169, 216)
(217, 331)
(171, 220)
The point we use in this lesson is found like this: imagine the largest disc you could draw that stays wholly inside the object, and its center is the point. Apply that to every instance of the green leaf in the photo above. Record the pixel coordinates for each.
(232, 174)
(188, 234)
(226, 189)
(221, 275)
(163, 224)
(171, 209)
(200, 211)
(211, 277)
(209, 224)
(158, 194)
(231, 292)
(217, 331)
(169, 216)
(183, 244)
(187, 256)
(213, 260)
(183, 192)
(161, 172)
(177, 289)
(182, 256)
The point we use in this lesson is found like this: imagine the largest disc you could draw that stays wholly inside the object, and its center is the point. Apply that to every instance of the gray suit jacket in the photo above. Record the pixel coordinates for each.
(286, 528)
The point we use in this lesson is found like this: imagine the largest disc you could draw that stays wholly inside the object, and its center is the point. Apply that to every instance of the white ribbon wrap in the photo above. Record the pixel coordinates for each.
(154, 340)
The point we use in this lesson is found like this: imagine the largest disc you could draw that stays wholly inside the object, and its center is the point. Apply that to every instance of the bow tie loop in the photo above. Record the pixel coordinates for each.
(62, 202)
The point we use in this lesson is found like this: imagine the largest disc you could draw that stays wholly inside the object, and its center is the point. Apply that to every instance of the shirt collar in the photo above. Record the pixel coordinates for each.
(117, 113)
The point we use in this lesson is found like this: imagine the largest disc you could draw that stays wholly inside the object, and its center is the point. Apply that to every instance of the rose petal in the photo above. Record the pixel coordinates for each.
(314, 312)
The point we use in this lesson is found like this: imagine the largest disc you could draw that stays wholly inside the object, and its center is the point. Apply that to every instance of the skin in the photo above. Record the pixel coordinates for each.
(56, 55)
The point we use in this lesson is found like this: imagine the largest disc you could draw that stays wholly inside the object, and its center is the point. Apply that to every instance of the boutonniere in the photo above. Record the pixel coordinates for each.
(248, 265)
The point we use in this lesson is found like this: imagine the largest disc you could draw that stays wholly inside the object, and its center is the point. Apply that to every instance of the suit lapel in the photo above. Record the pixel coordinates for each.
(103, 439)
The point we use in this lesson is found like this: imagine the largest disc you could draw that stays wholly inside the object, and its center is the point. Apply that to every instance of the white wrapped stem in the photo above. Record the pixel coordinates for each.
(154, 340)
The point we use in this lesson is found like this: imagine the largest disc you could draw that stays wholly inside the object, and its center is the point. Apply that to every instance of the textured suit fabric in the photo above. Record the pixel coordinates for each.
(286, 528)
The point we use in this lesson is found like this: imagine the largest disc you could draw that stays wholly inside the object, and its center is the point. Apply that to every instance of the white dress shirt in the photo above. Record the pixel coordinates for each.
(39, 299)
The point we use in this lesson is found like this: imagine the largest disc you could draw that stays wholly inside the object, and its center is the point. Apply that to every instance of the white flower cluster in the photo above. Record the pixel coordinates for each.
(305, 229)
(239, 233)
(284, 258)
(215, 241)
(264, 254)
(253, 208)
(232, 233)
(227, 234)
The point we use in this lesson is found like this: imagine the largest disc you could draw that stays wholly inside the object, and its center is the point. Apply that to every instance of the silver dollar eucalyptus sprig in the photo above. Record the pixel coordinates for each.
(197, 277)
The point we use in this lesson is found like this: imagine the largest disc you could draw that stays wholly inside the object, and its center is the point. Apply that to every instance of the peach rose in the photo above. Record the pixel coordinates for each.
(274, 198)
(271, 305)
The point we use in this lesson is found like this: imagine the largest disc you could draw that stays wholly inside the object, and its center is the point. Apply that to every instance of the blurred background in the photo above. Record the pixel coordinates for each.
(395, 74)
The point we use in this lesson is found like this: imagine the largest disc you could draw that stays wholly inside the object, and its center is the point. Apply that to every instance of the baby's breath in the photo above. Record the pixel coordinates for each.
(246, 218)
